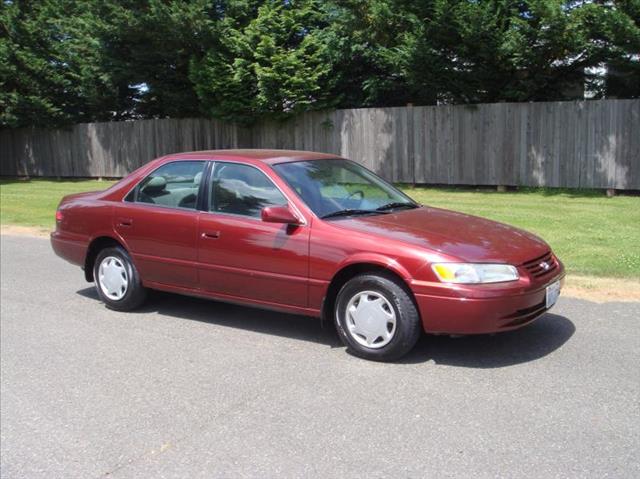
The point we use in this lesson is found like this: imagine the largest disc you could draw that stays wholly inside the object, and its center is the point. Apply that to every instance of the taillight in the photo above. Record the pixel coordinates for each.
(58, 215)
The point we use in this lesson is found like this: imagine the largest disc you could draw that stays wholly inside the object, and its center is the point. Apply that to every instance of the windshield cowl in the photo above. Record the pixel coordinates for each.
(397, 205)
(349, 212)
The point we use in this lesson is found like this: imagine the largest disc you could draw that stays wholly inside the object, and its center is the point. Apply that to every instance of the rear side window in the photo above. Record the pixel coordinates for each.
(242, 190)
(174, 185)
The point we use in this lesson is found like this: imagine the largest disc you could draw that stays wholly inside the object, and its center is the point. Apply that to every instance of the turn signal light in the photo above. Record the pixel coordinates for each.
(58, 215)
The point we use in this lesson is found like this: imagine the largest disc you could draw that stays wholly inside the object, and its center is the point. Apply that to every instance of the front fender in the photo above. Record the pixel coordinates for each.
(377, 259)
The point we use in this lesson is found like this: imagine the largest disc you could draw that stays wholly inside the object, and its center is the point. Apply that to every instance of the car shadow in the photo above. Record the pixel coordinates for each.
(544, 336)
(302, 328)
(537, 340)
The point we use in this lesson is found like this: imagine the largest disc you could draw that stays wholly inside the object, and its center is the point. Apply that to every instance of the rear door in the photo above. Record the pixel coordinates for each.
(159, 222)
(241, 256)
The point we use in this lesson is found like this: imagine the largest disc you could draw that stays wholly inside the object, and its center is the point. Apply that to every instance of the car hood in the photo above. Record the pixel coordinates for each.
(465, 237)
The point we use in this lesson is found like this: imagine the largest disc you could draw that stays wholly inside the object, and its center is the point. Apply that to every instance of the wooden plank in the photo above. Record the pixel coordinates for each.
(628, 166)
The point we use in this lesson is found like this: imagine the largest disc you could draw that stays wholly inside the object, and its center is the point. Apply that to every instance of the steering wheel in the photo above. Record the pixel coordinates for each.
(357, 192)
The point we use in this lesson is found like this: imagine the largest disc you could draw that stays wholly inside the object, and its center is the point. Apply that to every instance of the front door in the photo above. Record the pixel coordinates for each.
(241, 256)
(159, 222)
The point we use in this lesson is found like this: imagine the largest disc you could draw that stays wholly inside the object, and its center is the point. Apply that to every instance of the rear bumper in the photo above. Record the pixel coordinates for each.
(73, 250)
(504, 311)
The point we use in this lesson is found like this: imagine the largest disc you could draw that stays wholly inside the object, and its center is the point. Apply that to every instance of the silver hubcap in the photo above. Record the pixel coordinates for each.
(112, 278)
(371, 320)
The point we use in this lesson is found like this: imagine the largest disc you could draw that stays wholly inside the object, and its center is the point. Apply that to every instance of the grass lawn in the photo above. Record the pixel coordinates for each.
(593, 235)
(34, 202)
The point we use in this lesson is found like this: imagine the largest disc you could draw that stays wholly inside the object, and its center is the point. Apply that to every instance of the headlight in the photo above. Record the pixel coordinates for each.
(469, 273)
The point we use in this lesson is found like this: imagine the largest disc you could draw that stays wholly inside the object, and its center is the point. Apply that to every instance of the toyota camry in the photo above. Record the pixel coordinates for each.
(311, 234)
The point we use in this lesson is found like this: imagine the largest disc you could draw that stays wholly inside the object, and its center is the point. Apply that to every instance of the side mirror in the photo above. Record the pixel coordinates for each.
(279, 214)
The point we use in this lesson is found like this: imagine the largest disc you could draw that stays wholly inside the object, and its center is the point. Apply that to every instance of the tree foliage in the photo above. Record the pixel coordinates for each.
(67, 61)
(50, 65)
(276, 61)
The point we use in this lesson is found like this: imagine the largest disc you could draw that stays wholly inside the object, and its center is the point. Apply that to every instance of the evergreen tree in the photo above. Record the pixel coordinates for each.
(51, 69)
(275, 62)
(68, 61)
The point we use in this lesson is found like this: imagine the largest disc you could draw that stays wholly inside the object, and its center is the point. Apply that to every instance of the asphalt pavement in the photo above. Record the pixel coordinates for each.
(188, 388)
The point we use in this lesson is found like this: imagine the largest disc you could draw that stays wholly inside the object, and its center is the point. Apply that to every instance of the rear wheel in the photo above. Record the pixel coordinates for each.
(117, 280)
(376, 317)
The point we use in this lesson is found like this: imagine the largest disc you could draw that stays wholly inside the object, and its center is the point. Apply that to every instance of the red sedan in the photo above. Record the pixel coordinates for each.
(306, 233)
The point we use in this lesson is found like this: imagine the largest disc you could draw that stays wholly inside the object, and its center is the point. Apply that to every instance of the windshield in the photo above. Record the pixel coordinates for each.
(341, 188)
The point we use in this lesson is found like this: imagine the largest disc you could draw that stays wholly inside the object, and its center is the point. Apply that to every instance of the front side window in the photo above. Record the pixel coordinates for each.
(242, 190)
(174, 184)
(336, 187)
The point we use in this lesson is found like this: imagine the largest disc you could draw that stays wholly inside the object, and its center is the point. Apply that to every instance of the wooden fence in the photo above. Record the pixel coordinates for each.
(592, 144)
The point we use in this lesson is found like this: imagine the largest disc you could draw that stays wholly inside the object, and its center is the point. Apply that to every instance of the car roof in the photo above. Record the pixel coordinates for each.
(267, 156)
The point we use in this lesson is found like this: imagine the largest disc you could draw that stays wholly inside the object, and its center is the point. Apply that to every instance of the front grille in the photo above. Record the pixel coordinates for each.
(536, 267)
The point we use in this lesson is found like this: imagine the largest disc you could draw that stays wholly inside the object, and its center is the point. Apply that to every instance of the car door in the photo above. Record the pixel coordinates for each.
(239, 254)
(159, 222)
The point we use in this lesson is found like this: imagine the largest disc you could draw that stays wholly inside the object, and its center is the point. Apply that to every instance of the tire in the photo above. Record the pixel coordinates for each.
(118, 284)
(369, 302)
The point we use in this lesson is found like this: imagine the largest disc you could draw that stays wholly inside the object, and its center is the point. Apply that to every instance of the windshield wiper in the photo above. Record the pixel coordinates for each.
(349, 212)
(397, 204)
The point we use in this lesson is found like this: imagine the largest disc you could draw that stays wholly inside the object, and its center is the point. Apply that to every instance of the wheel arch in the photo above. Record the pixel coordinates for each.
(97, 244)
(355, 268)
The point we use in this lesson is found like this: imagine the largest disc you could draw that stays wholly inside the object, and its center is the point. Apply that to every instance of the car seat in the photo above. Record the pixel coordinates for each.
(154, 188)
(189, 201)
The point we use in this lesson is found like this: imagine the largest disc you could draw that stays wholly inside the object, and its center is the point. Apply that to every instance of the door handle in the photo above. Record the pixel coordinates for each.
(211, 234)
(126, 222)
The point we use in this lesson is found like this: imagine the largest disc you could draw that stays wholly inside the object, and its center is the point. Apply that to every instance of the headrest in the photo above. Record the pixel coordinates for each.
(155, 184)
(197, 178)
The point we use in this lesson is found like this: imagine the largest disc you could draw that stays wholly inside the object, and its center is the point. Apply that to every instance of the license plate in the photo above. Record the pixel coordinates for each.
(553, 291)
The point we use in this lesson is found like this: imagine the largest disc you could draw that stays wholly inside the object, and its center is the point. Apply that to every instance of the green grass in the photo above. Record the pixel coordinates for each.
(34, 202)
(594, 235)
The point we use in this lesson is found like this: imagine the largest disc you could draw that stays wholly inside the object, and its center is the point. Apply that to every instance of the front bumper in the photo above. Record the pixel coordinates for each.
(488, 310)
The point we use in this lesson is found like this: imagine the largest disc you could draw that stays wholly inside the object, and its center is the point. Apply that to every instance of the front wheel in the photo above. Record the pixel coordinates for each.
(376, 317)
(117, 280)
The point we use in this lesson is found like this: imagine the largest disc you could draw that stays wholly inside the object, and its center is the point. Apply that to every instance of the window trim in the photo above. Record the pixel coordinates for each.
(290, 203)
(181, 208)
(203, 191)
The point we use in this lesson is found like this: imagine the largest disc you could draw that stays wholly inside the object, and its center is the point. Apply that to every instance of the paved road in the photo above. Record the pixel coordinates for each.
(190, 388)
